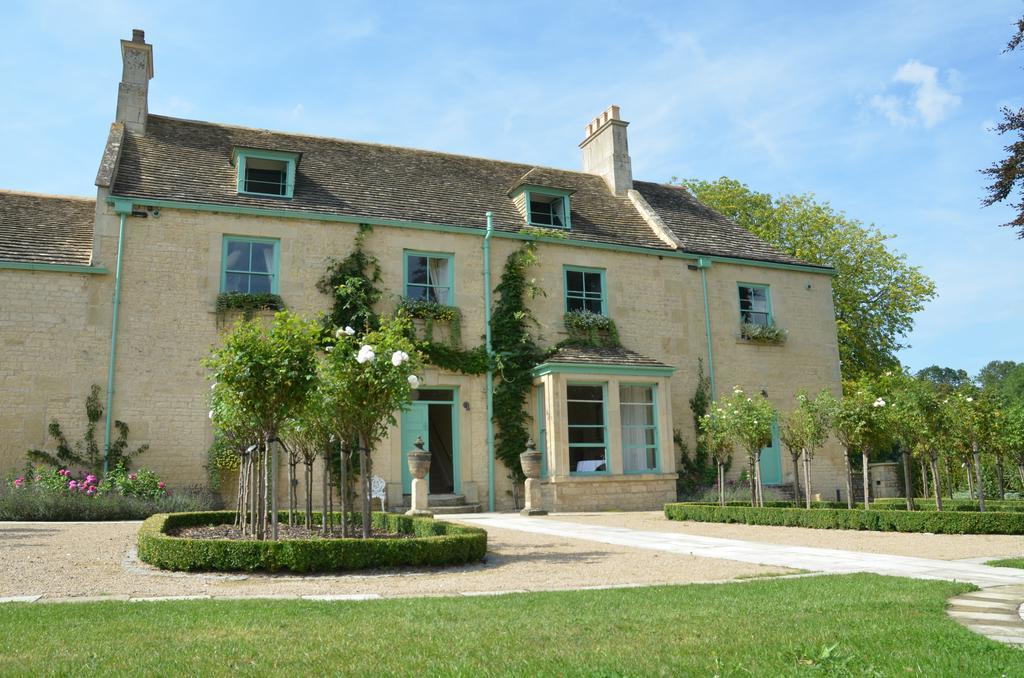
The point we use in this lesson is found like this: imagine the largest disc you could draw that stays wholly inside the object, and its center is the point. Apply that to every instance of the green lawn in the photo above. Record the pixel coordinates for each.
(840, 625)
(1007, 562)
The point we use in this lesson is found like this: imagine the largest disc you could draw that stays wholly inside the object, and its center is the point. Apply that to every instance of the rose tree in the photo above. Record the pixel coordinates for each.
(749, 424)
(368, 379)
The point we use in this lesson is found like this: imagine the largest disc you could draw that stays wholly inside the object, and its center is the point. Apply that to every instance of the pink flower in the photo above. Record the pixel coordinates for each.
(160, 485)
(91, 479)
(132, 476)
(91, 491)
(72, 484)
(18, 482)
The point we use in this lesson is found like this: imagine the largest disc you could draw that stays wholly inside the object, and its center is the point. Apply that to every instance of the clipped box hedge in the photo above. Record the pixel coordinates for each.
(953, 522)
(432, 543)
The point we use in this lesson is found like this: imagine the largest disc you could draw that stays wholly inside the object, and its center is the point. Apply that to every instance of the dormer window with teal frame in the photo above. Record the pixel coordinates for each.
(544, 207)
(265, 173)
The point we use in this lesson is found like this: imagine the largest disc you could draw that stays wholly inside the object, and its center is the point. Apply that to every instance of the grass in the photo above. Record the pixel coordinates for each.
(839, 625)
(1007, 562)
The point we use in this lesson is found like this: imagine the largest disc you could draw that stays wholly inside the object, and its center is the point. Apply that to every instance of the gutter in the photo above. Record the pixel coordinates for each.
(703, 265)
(490, 368)
(122, 208)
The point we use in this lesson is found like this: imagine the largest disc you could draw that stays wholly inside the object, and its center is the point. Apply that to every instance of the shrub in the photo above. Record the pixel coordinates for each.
(36, 503)
(854, 519)
(432, 543)
(763, 334)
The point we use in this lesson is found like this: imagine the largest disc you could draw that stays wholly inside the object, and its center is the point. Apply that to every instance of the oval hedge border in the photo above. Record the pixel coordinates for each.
(433, 543)
(945, 522)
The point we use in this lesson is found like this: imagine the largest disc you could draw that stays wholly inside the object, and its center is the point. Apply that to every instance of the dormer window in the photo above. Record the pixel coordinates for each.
(265, 173)
(547, 210)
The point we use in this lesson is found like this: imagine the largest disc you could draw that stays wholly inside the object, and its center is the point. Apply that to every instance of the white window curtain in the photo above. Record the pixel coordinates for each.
(636, 414)
(437, 278)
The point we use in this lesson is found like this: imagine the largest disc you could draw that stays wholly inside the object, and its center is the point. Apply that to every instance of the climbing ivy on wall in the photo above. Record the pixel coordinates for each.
(516, 354)
(352, 284)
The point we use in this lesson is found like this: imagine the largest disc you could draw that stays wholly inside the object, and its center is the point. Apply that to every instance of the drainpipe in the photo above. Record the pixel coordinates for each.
(704, 264)
(490, 370)
(122, 208)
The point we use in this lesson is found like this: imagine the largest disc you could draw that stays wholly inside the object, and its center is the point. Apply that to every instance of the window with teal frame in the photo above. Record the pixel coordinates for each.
(265, 173)
(588, 434)
(585, 290)
(430, 276)
(548, 208)
(249, 265)
(755, 305)
(639, 421)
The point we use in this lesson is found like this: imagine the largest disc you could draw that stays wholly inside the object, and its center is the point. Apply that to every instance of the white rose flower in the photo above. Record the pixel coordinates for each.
(414, 381)
(970, 399)
(338, 333)
(349, 331)
(396, 358)
(211, 414)
(878, 403)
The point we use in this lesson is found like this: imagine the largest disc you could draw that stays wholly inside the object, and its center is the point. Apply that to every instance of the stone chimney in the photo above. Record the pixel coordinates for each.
(133, 92)
(605, 151)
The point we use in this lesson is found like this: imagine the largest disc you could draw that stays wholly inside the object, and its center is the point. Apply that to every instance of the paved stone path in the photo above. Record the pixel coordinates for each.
(994, 612)
(800, 557)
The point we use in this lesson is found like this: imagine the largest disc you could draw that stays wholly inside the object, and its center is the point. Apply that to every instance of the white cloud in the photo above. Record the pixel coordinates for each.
(928, 101)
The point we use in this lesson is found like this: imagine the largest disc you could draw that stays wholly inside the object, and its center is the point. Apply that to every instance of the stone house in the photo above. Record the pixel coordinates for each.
(122, 290)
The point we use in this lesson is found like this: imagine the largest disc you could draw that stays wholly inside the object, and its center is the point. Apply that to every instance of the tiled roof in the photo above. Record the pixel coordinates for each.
(702, 230)
(190, 161)
(46, 229)
(591, 355)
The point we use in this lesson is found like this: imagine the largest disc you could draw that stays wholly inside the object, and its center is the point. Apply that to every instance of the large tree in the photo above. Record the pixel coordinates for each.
(1003, 378)
(945, 378)
(875, 291)
(1008, 174)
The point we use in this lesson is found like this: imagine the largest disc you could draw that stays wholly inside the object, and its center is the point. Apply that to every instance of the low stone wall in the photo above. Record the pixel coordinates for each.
(609, 493)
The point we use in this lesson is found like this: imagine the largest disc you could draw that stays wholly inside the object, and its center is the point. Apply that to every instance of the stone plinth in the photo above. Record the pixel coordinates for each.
(419, 498)
(534, 504)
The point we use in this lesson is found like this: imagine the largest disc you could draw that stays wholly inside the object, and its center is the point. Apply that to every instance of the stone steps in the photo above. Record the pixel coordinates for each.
(444, 504)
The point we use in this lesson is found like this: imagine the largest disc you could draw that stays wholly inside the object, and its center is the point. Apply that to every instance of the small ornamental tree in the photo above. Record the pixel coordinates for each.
(749, 424)
(368, 379)
(261, 379)
(1012, 434)
(713, 432)
(861, 425)
(803, 431)
(970, 428)
(308, 437)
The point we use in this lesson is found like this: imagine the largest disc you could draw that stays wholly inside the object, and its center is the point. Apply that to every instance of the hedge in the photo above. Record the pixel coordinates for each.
(954, 522)
(433, 543)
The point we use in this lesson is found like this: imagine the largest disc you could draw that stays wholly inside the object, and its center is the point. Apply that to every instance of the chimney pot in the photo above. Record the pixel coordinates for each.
(138, 35)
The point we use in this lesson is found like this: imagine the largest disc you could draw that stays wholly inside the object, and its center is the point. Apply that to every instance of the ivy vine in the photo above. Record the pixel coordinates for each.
(429, 312)
(352, 283)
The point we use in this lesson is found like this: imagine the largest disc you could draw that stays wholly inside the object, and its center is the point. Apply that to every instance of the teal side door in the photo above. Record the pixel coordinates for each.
(771, 460)
(415, 423)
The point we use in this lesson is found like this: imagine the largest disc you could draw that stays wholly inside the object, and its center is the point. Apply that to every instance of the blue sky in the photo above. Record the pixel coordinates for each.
(882, 109)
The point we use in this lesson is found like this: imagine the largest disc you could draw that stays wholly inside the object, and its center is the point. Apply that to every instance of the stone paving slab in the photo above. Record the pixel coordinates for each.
(801, 557)
(995, 614)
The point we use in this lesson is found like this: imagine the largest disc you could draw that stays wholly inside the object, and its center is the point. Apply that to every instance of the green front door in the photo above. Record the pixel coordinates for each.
(771, 460)
(415, 424)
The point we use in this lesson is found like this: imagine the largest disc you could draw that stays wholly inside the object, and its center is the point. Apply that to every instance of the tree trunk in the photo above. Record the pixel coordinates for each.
(933, 461)
(796, 477)
(364, 475)
(293, 500)
(807, 478)
(757, 476)
(273, 488)
(750, 477)
(323, 507)
(924, 482)
(908, 481)
(309, 493)
(330, 490)
(1000, 478)
(849, 480)
(949, 477)
(866, 476)
(721, 483)
(977, 470)
(345, 508)
(970, 481)
(1020, 472)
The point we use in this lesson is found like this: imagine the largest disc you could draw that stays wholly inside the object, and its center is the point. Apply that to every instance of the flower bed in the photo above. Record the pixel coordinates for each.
(59, 494)
(431, 543)
(953, 522)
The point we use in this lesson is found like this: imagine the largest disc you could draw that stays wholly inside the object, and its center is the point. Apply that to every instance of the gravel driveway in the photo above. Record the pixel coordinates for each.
(86, 560)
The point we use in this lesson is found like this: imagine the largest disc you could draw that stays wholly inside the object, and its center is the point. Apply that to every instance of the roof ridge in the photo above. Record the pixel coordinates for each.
(62, 196)
(374, 143)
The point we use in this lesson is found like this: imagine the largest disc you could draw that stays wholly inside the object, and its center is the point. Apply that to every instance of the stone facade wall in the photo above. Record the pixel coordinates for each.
(55, 331)
(622, 493)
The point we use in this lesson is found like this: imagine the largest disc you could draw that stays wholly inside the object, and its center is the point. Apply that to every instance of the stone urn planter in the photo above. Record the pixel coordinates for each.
(419, 460)
(530, 461)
